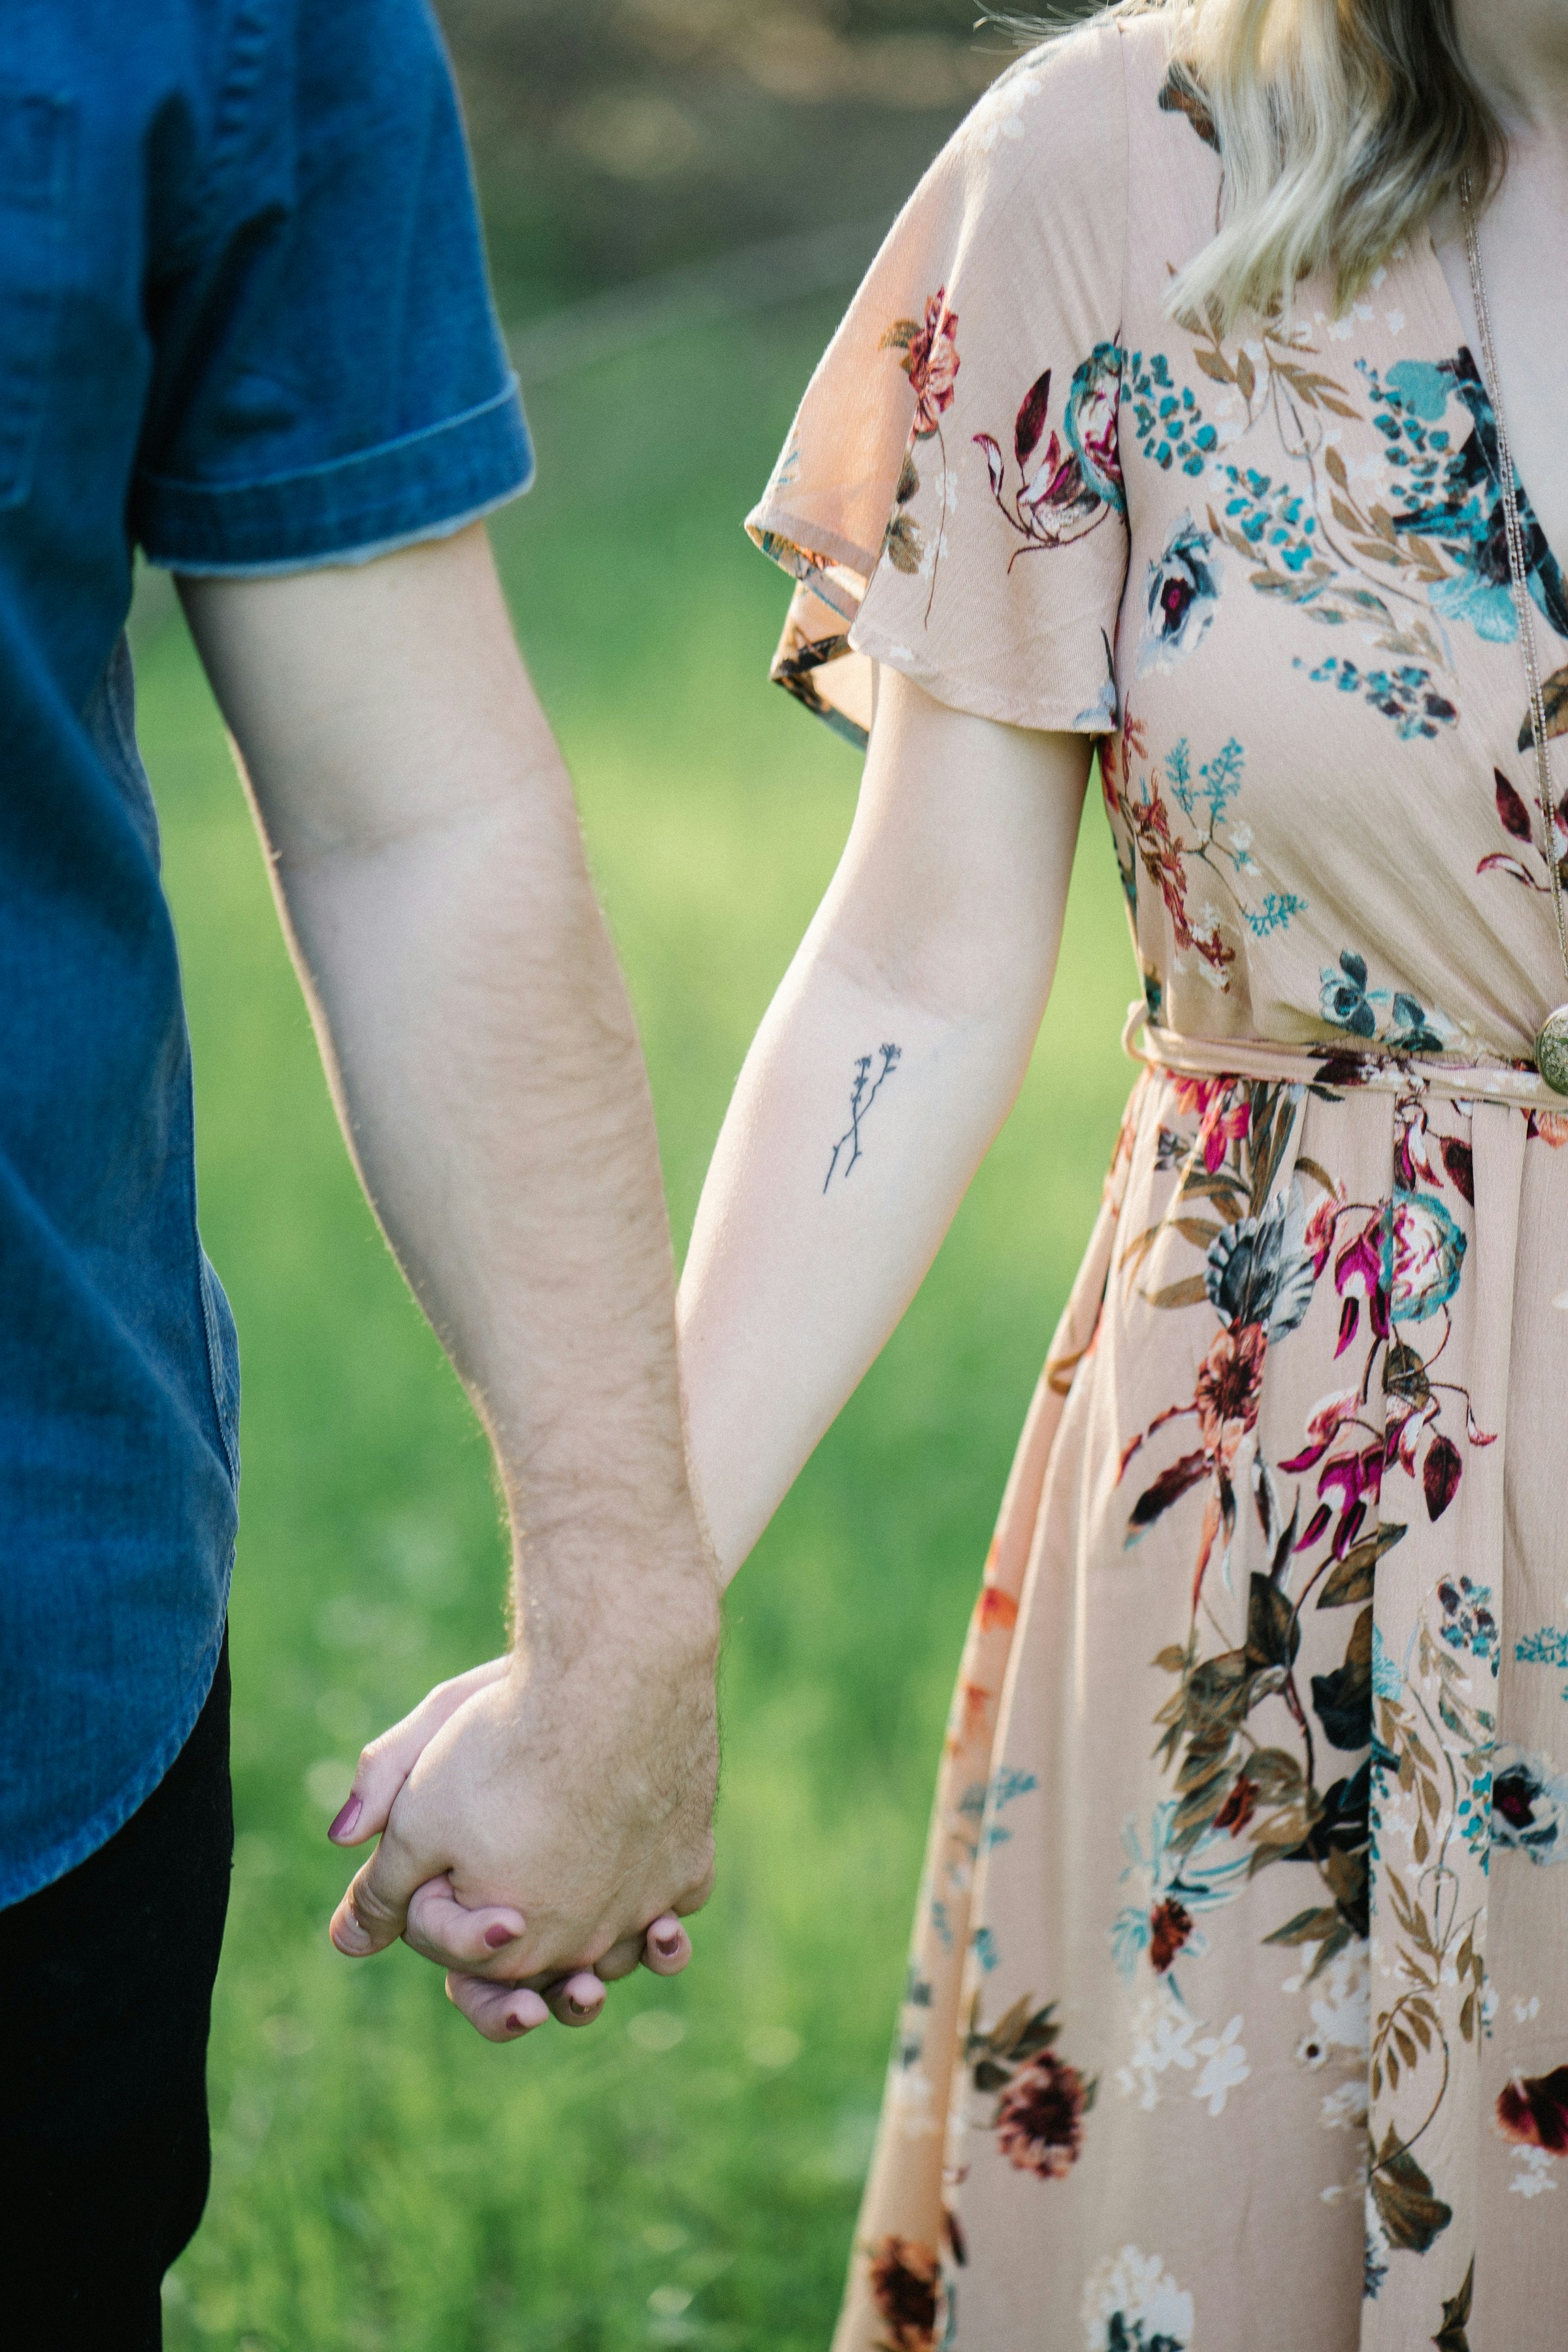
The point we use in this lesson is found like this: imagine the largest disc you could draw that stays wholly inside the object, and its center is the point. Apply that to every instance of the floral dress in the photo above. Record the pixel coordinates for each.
(1237, 2014)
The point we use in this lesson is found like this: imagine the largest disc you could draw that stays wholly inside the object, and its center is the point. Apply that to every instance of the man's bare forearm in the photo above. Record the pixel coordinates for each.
(491, 1082)
(476, 1029)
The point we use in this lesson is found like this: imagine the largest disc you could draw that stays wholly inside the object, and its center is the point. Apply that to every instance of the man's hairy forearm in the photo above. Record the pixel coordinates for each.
(481, 1050)
(489, 1079)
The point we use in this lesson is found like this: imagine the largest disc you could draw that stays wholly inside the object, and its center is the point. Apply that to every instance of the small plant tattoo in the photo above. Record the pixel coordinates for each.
(863, 1093)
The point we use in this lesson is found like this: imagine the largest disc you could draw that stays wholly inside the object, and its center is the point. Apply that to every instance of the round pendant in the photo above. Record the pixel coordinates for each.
(1551, 1050)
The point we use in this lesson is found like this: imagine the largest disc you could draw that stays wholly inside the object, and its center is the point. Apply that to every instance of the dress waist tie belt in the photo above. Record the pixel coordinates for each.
(1344, 1068)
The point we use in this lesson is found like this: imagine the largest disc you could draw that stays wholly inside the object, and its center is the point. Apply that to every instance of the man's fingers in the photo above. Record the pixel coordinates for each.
(374, 1911)
(667, 1947)
(387, 1763)
(500, 2012)
(445, 1931)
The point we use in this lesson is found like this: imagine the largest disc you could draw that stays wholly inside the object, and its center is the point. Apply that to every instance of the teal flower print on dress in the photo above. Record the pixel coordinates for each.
(1423, 388)
(1274, 518)
(1260, 1270)
(1383, 1016)
(1183, 1879)
(1180, 596)
(1170, 425)
(1387, 1682)
(1406, 694)
(1006, 1787)
(1454, 495)
(1434, 539)
(1425, 1248)
(1473, 1814)
(1090, 423)
(1546, 1647)
(1206, 795)
(1469, 1620)
(1529, 1806)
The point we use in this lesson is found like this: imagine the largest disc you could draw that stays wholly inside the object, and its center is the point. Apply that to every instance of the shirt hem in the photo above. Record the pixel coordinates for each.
(421, 486)
(370, 551)
(72, 1852)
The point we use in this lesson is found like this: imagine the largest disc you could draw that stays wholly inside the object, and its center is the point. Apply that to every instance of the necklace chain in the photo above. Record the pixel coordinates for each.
(1513, 529)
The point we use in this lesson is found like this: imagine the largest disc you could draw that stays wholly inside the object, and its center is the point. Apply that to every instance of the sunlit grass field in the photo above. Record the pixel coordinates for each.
(687, 2171)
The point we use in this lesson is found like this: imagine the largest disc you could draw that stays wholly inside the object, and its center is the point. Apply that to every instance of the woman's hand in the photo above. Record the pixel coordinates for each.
(480, 1944)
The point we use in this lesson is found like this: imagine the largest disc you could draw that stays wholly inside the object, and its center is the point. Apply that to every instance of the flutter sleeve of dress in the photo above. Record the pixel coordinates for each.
(950, 499)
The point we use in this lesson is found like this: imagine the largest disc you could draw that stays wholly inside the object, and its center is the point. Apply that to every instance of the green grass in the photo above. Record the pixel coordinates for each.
(687, 2171)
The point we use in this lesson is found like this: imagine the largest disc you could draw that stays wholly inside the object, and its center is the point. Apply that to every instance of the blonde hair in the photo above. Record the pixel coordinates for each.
(1344, 127)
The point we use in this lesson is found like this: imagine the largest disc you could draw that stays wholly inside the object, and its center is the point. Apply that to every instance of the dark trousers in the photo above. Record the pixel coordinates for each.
(106, 1982)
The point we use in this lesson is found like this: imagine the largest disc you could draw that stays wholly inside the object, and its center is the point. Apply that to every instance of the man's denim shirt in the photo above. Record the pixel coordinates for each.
(244, 321)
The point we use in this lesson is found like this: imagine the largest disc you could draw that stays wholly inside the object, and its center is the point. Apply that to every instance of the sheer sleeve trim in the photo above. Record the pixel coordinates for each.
(950, 501)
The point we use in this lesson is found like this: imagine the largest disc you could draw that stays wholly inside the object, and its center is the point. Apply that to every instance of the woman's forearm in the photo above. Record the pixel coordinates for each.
(888, 1060)
(857, 1126)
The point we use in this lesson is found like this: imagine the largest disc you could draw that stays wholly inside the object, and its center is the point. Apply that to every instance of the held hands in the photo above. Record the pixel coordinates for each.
(532, 1824)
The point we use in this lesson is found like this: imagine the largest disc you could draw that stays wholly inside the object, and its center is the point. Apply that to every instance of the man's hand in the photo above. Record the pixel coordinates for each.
(593, 1791)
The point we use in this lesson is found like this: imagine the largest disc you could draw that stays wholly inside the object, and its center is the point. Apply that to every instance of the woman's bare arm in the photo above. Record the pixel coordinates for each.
(885, 1065)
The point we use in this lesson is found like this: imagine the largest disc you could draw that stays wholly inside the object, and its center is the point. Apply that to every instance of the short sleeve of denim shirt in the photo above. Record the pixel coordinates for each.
(328, 378)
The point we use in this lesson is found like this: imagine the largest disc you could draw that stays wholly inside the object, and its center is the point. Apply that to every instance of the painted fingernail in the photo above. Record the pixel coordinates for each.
(519, 2024)
(344, 1825)
(581, 2008)
(497, 1935)
(667, 1945)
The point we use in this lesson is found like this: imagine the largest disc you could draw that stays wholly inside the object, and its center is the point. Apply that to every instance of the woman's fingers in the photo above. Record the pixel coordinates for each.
(446, 1931)
(576, 2000)
(439, 1926)
(500, 2012)
(667, 1947)
(387, 1763)
(484, 1942)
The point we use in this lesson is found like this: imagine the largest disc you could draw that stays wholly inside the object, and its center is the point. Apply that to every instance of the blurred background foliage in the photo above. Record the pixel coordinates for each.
(618, 137)
(686, 2172)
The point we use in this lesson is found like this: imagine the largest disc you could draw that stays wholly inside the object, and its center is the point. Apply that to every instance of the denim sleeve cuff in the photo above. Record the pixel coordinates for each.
(350, 508)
